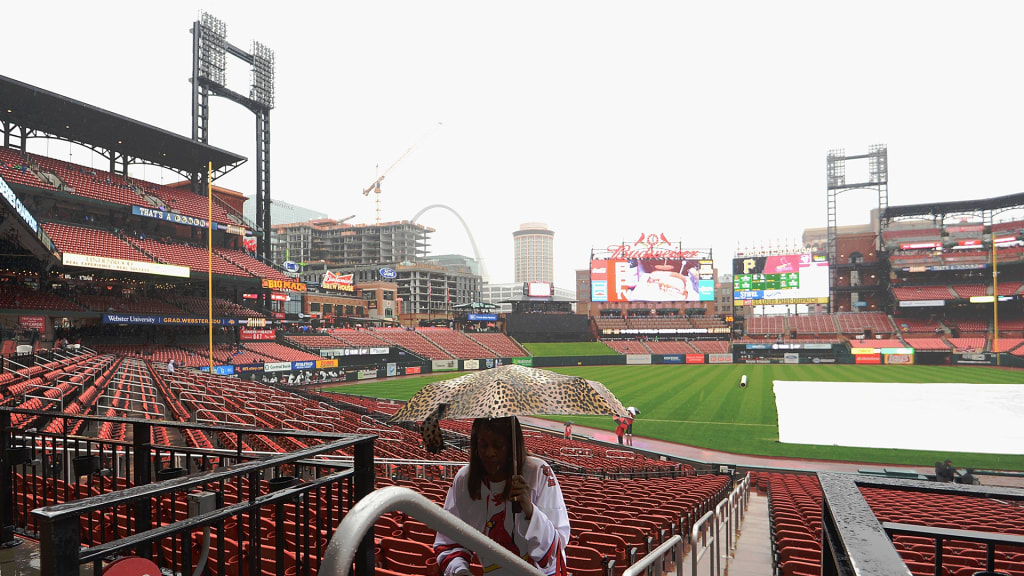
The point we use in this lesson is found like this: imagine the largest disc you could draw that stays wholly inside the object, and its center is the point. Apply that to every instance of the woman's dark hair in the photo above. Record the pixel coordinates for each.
(501, 427)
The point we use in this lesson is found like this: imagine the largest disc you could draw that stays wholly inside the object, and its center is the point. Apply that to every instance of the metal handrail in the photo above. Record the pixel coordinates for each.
(342, 548)
(723, 511)
(673, 544)
(712, 546)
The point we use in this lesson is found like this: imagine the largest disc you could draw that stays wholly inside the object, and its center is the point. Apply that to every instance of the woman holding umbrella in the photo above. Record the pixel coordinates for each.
(483, 494)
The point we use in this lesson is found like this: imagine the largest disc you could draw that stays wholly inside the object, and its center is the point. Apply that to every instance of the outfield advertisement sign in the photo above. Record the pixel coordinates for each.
(638, 359)
(672, 359)
(899, 358)
(444, 365)
(366, 374)
(391, 369)
(524, 361)
(719, 358)
(118, 265)
(470, 364)
(222, 370)
(791, 358)
(413, 370)
(694, 358)
(869, 359)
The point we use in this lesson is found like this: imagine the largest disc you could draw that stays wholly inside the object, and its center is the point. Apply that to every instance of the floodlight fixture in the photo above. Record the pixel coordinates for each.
(212, 48)
(262, 90)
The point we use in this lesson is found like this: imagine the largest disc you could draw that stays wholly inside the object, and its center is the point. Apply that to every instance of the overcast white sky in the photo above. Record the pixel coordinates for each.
(708, 122)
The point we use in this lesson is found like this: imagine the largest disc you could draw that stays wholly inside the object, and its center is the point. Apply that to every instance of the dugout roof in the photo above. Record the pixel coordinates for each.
(37, 109)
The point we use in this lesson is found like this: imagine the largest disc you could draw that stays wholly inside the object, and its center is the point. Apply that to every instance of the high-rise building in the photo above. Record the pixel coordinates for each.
(534, 253)
(332, 244)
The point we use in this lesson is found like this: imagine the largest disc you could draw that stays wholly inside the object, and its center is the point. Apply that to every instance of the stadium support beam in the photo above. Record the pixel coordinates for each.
(878, 179)
(210, 49)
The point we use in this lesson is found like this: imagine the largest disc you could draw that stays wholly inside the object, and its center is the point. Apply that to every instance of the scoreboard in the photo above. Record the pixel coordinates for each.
(780, 279)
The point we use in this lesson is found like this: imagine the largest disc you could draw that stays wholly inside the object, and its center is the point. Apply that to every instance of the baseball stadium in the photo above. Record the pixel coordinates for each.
(178, 396)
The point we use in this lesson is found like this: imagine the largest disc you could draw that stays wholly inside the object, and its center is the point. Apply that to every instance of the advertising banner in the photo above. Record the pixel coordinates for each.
(869, 359)
(392, 369)
(326, 363)
(332, 352)
(290, 285)
(33, 322)
(481, 317)
(304, 365)
(222, 370)
(672, 359)
(169, 320)
(899, 358)
(719, 358)
(366, 374)
(277, 366)
(444, 365)
(470, 364)
(384, 350)
(12, 200)
(413, 370)
(694, 358)
(859, 351)
(247, 368)
(524, 361)
(921, 303)
(790, 358)
(638, 359)
(172, 217)
(342, 282)
(255, 335)
(134, 266)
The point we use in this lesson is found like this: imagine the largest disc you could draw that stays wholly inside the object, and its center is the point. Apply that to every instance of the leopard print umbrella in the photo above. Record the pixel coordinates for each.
(511, 391)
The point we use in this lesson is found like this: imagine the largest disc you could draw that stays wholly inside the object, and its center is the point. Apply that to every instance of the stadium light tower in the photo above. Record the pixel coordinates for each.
(878, 179)
(209, 61)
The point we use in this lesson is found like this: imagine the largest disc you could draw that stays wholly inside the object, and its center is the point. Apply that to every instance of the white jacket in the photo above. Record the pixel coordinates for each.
(542, 539)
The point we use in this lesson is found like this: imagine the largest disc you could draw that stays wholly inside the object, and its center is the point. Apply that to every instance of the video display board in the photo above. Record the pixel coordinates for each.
(652, 280)
(780, 279)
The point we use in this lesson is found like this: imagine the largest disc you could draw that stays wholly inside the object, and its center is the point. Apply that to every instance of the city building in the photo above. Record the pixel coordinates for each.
(283, 212)
(334, 245)
(502, 294)
(534, 253)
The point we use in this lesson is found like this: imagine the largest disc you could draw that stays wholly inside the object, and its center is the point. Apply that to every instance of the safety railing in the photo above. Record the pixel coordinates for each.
(353, 540)
(706, 535)
(650, 562)
(267, 515)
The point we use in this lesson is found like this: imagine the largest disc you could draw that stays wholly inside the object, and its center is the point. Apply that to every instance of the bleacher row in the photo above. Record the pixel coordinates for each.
(658, 322)
(795, 504)
(16, 297)
(95, 242)
(954, 291)
(850, 323)
(52, 174)
(431, 343)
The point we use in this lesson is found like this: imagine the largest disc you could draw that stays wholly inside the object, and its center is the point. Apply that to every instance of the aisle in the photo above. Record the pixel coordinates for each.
(754, 548)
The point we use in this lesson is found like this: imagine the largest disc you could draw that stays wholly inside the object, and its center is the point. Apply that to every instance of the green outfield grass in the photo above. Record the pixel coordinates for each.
(703, 406)
(569, 349)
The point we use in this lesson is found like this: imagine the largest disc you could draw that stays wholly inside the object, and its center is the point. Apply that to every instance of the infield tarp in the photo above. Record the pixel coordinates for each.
(982, 418)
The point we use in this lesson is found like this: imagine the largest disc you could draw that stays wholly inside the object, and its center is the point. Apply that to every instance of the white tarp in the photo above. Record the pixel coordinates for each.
(942, 417)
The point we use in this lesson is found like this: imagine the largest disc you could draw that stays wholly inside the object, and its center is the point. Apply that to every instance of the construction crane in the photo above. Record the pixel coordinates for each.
(375, 187)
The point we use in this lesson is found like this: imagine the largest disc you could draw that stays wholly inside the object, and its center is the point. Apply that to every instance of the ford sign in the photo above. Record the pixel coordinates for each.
(291, 266)
(388, 273)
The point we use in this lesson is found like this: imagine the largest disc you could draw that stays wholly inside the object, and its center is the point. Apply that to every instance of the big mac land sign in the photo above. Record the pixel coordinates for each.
(284, 285)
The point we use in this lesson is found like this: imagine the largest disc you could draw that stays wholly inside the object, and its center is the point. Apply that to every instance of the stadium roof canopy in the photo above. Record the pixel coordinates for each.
(36, 109)
(961, 206)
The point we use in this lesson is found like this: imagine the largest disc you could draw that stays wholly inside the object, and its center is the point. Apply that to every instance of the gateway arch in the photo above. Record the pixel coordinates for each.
(472, 242)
